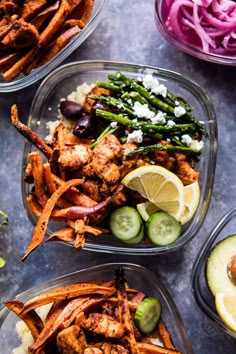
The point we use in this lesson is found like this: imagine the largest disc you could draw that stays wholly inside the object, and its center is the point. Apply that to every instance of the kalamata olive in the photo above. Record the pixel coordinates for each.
(100, 105)
(71, 110)
(85, 126)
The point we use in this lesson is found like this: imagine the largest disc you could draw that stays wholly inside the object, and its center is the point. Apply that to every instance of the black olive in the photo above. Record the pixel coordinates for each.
(71, 110)
(85, 126)
(100, 105)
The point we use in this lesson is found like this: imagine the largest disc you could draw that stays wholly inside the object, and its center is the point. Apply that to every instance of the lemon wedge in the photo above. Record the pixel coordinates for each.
(159, 186)
(191, 201)
(226, 308)
(147, 209)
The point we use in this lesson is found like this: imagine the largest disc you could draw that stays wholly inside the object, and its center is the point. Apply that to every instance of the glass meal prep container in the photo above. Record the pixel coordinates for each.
(136, 276)
(161, 10)
(22, 81)
(65, 79)
(225, 227)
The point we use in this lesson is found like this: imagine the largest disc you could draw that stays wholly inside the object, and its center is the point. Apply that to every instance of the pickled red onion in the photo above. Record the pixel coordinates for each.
(209, 25)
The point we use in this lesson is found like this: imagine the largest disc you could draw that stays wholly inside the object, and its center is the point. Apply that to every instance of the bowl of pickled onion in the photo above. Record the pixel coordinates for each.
(205, 29)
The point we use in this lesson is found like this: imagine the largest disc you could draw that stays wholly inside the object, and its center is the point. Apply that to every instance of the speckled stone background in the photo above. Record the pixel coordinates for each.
(127, 32)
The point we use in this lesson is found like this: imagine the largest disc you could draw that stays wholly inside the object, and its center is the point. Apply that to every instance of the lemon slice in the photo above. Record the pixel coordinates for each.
(226, 308)
(147, 209)
(191, 201)
(159, 186)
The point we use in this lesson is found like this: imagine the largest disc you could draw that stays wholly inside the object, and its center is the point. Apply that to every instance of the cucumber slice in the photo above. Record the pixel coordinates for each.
(148, 314)
(162, 228)
(125, 223)
(137, 239)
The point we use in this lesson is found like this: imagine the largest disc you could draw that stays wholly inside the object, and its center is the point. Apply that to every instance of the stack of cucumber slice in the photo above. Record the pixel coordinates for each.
(127, 225)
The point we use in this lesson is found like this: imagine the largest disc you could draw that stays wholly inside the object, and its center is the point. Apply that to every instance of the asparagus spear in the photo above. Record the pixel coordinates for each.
(152, 99)
(148, 148)
(146, 127)
(108, 130)
(114, 102)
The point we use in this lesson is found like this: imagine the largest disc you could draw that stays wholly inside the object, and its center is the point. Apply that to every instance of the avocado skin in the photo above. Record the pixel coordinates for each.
(216, 273)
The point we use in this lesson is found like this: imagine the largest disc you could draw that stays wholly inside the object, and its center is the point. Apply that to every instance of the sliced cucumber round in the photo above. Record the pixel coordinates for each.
(148, 314)
(136, 240)
(125, 223)
(162, 228)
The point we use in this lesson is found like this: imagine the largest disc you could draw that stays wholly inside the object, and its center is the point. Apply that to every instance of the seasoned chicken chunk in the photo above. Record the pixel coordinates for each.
(185, 170)
(103, 324)
(71, 340)
(110, 348)
(93, 350)
(74, 157)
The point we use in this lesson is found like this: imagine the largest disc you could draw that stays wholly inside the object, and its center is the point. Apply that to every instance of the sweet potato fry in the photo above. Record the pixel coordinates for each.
(124, 313)
(65, 234)
(55, 23)
(8, 60)
(68, 292)
(29, 134)
(79, 234)
(31, 318)
(41, 227)
(20, 65)
(31, 7)
(146, 348)
(83, 11)
(44, 15)
(165, 336)
(37, 171)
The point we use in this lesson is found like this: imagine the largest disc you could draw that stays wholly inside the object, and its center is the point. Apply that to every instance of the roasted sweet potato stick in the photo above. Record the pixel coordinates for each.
(165, 336)
(68, 292)
(146, 348)
(29, 134)
(43, 16)
(31, 318)
(79, 234)
(37, 171)
(124, 313)
(55, 23)
(20, 65)
(41, 227)
(65, 234)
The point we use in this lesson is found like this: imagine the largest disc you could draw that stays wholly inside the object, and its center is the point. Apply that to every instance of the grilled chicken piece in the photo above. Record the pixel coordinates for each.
(74, 157)
(104, 325)
(185, 170)
(22, 35)
(91, 189)
(106, 157)
(71, 340)
(128, 164)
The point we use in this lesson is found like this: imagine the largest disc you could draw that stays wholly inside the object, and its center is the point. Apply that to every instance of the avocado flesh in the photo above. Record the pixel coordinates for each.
(216, 269)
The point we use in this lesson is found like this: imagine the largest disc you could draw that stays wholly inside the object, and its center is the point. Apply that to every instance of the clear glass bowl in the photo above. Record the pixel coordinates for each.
(22, 81)
(226, 226)
(160, 18)
(136, 276)
(65, 79)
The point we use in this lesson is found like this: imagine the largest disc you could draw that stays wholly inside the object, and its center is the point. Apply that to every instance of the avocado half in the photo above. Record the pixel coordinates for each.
(217, 276)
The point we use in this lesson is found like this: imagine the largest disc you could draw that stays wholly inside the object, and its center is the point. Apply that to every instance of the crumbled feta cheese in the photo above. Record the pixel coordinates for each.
(135, 137)
(202, 122)
(186, 139)
(151, 83)
(142, 110)
(159, 118)
(197, 145)
(176, 102)
(179, 111)
(170, 123)
(113, 124)
(160, 90)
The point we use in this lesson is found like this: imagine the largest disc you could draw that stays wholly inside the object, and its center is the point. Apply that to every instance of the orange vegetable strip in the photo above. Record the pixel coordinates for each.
(79, 234)
(165, 336)
(31, 318)
(146, 348)
(41, 227)
(37, 171)
(29, 134)
(67, 292)
(66, 234)
(124, 313)
(51, 185)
